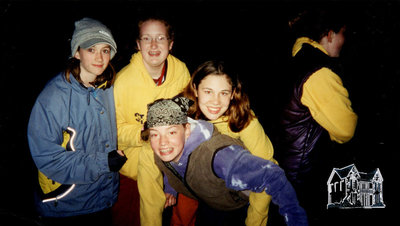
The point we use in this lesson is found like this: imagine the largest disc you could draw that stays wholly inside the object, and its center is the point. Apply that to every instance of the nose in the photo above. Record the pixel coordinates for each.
(153, 43)
(215, 99)
(163, 140)
(99, 56)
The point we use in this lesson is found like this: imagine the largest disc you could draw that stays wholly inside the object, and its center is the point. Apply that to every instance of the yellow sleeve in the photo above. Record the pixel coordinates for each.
(128, 132)
(255, 139)
(129, 116)
(129, 127)
(125, 131)
(150, 184)
(258, 143)
(129, 140)
(329, 104)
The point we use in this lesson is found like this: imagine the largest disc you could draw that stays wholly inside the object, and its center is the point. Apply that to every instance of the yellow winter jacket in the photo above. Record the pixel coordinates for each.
(133, 90)
(152, 196)
(327, 99)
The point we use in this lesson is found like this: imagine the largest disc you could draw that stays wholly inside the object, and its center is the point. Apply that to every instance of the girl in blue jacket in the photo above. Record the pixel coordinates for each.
(72, 134)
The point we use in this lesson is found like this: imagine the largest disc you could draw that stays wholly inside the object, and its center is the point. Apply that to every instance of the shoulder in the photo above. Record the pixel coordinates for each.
(177, 67)
(57, 88)
(323, 76)
(174, 60)
(254, 127)
(221, 141)
(52, 100)
(135, 64)
(132, 74)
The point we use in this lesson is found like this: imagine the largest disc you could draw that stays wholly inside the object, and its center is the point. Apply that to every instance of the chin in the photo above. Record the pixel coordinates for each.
(165, 158)
(212, 117)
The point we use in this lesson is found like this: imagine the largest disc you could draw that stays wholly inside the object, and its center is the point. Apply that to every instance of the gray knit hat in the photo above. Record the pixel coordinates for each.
(89, 32)
(164, 112)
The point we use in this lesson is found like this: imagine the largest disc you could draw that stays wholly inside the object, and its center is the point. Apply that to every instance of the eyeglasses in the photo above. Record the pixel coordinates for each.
(159, 39)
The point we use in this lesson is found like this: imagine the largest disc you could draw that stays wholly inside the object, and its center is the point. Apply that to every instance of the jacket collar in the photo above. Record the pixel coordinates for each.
(299, 44)
(200, 132)
(81, 88)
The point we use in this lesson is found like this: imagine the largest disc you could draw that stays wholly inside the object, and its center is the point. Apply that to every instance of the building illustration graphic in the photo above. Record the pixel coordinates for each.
(349, 188)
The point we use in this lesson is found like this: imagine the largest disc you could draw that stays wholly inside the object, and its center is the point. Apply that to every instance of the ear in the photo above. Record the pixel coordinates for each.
(170, 45)
(195, 90)
(330, 35)
(77, 55)
(187, 130)
(138, 45)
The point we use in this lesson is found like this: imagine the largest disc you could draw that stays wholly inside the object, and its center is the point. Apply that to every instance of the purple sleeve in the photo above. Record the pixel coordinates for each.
(243, 171)
(168, 188)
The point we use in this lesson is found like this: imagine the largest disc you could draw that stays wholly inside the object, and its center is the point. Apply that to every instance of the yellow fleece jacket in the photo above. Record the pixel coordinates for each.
(327, 99)
(153, 199)
(133, 90)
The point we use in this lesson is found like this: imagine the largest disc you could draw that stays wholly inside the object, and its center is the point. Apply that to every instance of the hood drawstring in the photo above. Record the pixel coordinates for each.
(88, 98)
(94, 91)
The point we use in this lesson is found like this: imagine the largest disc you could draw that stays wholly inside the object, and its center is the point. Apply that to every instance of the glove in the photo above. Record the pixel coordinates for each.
(116, 161)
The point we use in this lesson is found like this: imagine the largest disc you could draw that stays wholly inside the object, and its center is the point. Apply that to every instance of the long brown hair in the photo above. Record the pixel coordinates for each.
(239, 112)
(73, 67)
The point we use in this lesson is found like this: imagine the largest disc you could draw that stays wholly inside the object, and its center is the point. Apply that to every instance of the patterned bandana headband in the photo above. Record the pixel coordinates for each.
(165, 112)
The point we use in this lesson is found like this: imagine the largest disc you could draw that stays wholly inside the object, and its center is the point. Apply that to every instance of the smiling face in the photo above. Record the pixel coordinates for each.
(154, 43)
(93, 61)
(168, 141)
(214, 95)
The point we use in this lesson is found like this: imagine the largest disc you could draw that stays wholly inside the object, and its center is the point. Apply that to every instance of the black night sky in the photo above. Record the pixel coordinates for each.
(34, 39)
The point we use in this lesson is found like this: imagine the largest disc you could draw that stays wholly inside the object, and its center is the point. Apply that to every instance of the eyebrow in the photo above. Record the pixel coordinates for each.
(169, 127)
(224, 90)
(107, 46)
(160, 34)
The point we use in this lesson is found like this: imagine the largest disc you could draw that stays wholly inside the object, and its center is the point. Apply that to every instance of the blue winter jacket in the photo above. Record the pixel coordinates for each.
(81, 167)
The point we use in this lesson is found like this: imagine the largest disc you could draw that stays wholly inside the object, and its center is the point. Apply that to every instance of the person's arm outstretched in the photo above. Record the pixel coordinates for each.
(243, 171)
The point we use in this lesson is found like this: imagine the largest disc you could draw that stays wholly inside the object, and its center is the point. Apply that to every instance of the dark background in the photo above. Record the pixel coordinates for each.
(35, 45)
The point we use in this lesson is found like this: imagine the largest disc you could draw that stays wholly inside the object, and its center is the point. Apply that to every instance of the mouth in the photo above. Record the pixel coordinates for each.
(214, 110)
(154, 53)
(98, 65)
(166, 151)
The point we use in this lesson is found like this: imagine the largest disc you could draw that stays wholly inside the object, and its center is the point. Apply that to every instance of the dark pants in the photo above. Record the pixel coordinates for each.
(101, 218)
(206, 216)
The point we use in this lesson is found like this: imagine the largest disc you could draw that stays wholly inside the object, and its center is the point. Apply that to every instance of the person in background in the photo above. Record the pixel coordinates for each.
(72, 134)
(216, 169)
(151, 74)
(219, 98)
(318, 111)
